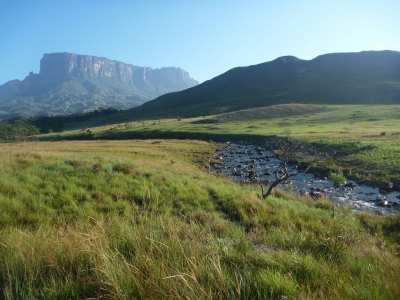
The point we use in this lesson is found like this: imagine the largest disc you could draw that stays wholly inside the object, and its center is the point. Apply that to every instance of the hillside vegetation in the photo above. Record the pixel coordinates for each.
(143, 220)
(20, 128)
(371, 77)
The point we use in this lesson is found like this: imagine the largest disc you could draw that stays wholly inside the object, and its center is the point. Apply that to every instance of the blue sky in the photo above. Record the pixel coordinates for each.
(206, 38)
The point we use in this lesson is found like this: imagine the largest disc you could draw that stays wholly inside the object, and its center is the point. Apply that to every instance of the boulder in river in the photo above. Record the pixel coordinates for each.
(253, 174)
(396, 184)
(386, 186)
(351, 185)
(382, 203)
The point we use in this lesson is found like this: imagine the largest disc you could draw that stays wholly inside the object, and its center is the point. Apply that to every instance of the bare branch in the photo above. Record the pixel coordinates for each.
(290, 152)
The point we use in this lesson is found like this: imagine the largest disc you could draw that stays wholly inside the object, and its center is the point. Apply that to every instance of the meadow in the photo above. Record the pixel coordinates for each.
(364, 138)
(143, 219)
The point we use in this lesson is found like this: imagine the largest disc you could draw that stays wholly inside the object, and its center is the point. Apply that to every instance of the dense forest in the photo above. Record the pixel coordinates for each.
(18, 128)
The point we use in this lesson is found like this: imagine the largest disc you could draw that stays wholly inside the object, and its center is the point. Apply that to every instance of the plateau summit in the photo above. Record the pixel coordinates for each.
(69, 83)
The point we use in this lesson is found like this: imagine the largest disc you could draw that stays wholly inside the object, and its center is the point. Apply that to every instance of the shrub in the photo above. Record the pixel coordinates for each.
(337, 178)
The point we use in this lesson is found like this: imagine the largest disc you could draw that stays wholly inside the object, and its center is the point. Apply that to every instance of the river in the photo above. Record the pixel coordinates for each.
(236, 161)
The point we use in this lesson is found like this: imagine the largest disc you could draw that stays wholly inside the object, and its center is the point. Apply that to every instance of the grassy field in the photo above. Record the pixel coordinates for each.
(143, 220)
(365, 138)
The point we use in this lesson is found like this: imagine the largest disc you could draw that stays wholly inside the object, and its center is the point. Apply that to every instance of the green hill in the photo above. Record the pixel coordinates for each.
(371, 77)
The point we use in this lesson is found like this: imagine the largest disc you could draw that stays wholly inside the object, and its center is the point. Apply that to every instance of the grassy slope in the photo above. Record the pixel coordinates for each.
(339, 78)
(353, 131)
(141, 219)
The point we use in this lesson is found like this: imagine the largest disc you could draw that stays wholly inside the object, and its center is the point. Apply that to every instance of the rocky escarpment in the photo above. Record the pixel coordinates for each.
(62, 64)
(71, 83)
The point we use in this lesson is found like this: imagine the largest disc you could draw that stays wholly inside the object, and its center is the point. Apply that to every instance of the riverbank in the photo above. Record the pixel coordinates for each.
(247, 163)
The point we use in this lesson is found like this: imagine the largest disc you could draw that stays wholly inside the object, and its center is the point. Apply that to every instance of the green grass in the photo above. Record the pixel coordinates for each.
(143, 220)
(353, 132)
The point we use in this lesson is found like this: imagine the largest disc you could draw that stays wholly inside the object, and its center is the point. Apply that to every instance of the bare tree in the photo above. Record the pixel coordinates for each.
(291, 153)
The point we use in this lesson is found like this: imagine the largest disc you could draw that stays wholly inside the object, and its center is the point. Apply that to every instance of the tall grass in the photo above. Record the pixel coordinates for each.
(143, 220)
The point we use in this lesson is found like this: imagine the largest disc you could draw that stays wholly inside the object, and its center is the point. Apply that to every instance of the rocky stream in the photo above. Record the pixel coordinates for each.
(251, 163)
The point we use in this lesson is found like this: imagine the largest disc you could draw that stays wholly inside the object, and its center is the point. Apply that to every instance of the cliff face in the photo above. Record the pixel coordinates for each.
(61, 64)
(71, 83)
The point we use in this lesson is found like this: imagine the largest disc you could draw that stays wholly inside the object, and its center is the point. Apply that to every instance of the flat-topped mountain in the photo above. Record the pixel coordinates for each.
(69, 83)
(370, 77)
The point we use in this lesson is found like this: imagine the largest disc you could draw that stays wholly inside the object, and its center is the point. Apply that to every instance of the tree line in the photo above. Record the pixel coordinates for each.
(18, 128)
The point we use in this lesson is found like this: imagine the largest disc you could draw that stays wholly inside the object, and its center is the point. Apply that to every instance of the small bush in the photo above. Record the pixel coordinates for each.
(337, 178)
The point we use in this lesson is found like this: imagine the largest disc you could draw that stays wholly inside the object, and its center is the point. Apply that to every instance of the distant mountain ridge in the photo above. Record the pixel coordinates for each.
(369, 77)
(69, 83)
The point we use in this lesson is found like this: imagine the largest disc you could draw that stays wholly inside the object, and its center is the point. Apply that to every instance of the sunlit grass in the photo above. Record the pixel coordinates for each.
(145, 220)
(366, 138)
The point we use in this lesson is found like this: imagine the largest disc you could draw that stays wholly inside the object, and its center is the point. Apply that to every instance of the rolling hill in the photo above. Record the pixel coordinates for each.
(370, 77)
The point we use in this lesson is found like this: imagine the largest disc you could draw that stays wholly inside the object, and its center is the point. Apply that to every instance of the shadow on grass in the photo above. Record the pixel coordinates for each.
(344, 148)
(160, 134)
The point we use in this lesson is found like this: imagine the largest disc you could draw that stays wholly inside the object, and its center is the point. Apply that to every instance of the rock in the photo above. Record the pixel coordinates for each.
(386, 185)
(315, 195)
(253, 174)
(216, 164)
(304, 193)
(380, 198)
(396, 184)
(237, 173)
(268, 173)
(382, 203)
(351, 185)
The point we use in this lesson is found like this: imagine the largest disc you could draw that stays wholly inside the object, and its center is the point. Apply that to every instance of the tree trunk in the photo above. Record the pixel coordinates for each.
(271, 187)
